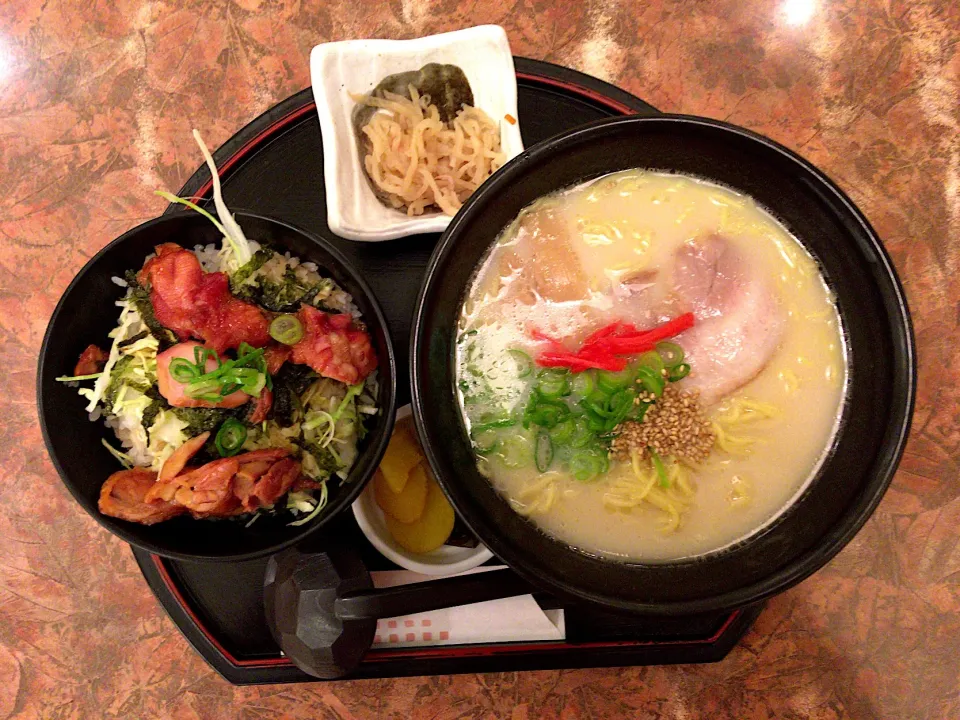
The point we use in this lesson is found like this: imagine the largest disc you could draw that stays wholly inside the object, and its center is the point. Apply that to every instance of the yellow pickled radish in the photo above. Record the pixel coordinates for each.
(432, 529)
(403, 454)
(407, 505)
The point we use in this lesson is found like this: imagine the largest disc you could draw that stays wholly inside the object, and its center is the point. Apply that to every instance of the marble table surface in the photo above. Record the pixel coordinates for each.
(97, 98)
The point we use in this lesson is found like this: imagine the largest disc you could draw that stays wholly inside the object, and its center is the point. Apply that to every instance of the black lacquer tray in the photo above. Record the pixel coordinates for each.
(274, 166)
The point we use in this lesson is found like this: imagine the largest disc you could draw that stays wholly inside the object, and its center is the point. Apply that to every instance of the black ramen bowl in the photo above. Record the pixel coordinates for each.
(86, 313)
(875, 416)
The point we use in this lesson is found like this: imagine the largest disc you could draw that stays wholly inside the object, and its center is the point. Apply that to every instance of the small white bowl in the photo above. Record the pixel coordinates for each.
(339, 68)
(446, 560)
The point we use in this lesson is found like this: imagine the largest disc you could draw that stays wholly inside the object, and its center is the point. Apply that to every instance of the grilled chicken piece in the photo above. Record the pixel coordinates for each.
(207, 490)
(196, 304)
(334, 346)
(91, 361)
(124, 493)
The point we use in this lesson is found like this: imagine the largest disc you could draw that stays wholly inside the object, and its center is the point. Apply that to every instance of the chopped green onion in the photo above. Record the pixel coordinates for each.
(589, 463)
(651, 360)
(597, 407)
(230, 437)
(514, 451)
(485, 440)
(286, 329)
(184, 371)
(202, 354)
(524, 363)
(610, 382)
(652, 382)
(563, 432)
(671, 353)
(584, 383)
(230, 389)
(553, 384)
(582, 435)
(494, 424)
(640, 411)
(658, 466)
(597, 401)
(247, 373)
(546, 413)
(620, 406)
(543, 454)
(595, 423)
(679, 372)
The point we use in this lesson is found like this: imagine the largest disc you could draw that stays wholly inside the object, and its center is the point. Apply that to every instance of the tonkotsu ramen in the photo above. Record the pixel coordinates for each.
(651, 366)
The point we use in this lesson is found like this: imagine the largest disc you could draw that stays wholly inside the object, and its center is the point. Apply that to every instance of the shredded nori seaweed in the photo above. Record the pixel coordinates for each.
(201, 420)
(131, 340)
(284, 296)
(288, 384)
(326, 461)
(157, 404)
(140, 295)
(198, 419)
(259, 259)
(117, 380)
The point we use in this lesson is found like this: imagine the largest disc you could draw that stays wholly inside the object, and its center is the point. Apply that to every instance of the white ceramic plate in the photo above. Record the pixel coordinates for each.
(339, 68)
(446, 560)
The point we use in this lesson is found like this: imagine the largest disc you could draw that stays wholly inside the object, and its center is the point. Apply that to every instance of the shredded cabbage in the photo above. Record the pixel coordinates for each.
(321, 504)
(129, 324)
(301, 501)
(230, 228)
(75, 378)
(166, 435)
(122, 457)
(170, 197)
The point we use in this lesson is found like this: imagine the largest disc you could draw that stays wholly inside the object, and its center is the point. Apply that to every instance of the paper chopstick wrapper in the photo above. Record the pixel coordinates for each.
(516, 619)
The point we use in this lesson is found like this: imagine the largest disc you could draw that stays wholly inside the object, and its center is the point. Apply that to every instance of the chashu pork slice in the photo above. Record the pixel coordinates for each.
(739, 318)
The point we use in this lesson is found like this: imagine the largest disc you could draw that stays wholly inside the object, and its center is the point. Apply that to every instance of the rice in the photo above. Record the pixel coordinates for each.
(125, 390)
(274, 270)
(149, 447)
(129, 431)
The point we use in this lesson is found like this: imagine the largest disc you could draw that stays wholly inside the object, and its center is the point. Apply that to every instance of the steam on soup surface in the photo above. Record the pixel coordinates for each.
(650, 365)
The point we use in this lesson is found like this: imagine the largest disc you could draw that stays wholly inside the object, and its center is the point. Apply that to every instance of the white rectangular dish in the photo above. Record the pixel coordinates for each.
(357, 66)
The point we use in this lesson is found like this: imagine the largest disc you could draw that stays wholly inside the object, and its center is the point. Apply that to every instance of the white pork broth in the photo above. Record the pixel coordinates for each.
(658, 456)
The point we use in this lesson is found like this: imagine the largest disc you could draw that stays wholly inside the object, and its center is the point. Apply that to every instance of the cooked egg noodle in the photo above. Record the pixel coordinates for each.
(639, 487)
(735, 416)
(418, 161)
